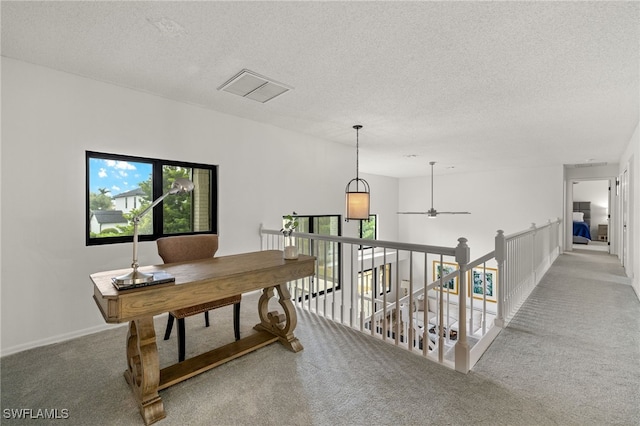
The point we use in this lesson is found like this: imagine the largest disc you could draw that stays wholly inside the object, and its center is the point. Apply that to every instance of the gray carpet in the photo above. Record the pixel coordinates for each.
(571, 356)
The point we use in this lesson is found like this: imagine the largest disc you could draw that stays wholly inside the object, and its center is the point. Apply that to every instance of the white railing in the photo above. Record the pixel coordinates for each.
(379, 288)
(523, 258)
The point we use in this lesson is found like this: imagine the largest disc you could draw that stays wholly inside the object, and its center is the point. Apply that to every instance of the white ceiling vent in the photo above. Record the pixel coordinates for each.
(254, 86)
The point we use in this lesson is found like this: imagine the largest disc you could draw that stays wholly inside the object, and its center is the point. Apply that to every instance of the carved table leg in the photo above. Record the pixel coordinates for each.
(282, 325)
(143, 374)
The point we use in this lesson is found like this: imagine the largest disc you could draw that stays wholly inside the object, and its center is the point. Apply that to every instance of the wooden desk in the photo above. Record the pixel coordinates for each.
(197, 282)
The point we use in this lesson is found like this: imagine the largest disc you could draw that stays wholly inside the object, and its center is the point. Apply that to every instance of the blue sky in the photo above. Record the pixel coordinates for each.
(116, 176)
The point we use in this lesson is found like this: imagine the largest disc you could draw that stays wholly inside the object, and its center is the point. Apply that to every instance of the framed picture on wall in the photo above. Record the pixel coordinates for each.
(441, 269)
(483, 282)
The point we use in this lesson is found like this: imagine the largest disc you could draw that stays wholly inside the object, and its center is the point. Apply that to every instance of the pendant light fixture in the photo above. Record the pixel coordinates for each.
(357, 191)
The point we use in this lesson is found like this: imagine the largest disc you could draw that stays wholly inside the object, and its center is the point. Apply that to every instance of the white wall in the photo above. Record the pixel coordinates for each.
(49, 120)
(597, 192)
(510, 200)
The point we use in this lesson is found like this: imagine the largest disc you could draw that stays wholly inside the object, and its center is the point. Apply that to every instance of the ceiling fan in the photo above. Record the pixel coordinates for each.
(433, 212)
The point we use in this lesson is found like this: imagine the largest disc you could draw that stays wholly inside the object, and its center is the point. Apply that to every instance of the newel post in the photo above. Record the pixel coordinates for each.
(463, 358)
(533, 254)
(261, 236)
(549, 249)
(558, 236)
(500, 250)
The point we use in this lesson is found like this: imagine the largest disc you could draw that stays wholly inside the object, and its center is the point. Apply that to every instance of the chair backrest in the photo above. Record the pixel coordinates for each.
(187, 247)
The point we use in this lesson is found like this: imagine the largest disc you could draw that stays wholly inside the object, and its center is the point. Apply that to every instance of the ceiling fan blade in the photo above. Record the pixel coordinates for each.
(428, 213)
(432, 212)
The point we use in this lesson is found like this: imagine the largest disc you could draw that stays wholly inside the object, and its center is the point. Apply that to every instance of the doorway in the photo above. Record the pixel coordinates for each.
(592, 215)
(625, 218)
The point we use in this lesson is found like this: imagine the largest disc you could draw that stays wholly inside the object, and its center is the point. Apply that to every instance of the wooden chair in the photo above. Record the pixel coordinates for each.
(194, 247)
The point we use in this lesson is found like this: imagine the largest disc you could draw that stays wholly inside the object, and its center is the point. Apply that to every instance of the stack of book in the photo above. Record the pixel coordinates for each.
(158, 278)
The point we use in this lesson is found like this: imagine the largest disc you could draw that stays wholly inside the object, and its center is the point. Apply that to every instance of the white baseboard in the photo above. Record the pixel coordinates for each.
(63, 337)
(483, 344)
(59, 338)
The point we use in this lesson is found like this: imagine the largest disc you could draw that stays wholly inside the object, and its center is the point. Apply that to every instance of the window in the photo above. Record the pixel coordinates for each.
(328, 254)
(372, 284)
(377, 284)
(120, 187)
(368, 229)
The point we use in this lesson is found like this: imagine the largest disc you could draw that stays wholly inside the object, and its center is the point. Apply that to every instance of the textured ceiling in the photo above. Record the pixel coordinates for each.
(474, 85)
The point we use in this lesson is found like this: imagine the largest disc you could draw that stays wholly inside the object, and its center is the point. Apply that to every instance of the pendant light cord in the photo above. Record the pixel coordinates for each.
(357, 152)
(357, 127)
(432, 163)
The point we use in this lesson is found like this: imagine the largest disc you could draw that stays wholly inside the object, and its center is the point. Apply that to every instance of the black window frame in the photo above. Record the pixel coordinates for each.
(157, 191)
(311, 221)
(375, 230)
(378, 273)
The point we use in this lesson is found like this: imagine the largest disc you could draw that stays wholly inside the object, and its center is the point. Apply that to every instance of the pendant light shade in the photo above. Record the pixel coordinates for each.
(357, 191)
(358, 204)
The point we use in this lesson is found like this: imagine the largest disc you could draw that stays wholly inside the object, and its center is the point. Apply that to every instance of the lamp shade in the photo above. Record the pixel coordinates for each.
(358, 201)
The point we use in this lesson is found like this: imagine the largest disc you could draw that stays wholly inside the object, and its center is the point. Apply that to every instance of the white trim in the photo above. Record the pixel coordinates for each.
(56, 339)
(61, 338)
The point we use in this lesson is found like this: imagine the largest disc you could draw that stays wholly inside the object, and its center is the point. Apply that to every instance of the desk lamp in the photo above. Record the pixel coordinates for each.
(179, 186)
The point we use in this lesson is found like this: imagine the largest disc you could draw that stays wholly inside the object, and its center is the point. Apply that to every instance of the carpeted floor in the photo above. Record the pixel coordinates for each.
(571, 356)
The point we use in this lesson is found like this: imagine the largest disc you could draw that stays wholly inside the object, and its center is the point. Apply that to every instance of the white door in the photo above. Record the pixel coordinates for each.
(610, 220)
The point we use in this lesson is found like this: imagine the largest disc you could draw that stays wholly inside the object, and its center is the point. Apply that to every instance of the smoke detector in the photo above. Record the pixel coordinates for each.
(168, 27)
(251, 85)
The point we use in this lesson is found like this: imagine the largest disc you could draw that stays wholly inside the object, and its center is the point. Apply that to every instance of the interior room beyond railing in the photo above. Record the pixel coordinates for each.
(432, 301)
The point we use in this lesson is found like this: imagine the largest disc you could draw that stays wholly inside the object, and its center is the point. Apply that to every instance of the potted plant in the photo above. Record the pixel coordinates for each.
(290, 225)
